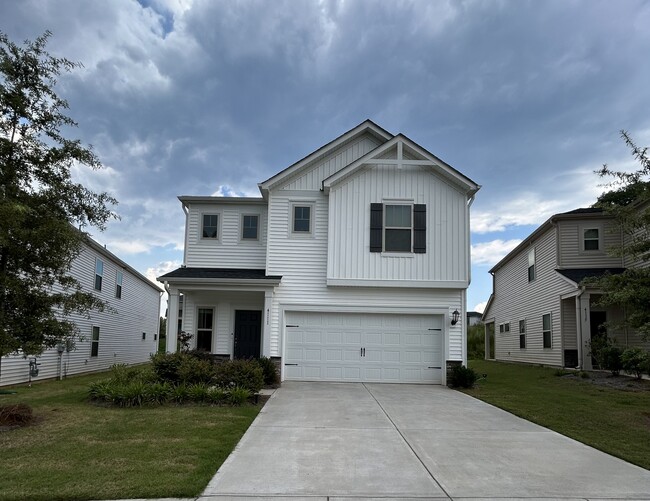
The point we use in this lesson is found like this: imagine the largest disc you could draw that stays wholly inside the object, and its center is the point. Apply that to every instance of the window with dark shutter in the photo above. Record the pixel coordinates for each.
(419, 228)
(376, 230)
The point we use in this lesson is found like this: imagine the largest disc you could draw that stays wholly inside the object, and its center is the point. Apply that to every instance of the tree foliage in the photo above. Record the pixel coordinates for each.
(42, 210)
(628, 200)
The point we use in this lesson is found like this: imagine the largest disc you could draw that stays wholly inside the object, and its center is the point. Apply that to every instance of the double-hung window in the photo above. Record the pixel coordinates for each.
(531, 265)
(591, 239)
(118, 284)
(250, 227)
(522, 334)
(210, 226)
(398, 227)
(94, 342)
(547, 331)
(301, 220)
(99, 274)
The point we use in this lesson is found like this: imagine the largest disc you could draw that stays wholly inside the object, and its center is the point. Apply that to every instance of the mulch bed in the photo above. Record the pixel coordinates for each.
(621, 382)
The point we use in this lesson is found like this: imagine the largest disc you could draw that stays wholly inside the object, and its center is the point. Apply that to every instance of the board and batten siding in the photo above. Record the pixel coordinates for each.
(302, 262)
(120, 331)
(517, 299)
(332, 163)
(571, 253)
(228, 250)
(349, 227)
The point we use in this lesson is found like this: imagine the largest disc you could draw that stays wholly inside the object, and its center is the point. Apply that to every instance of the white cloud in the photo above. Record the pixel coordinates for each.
(480, 307)
(161, 268)
(490, 253)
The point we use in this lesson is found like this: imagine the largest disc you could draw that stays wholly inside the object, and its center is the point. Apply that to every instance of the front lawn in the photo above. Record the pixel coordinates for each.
(616, 421)
(78, 450)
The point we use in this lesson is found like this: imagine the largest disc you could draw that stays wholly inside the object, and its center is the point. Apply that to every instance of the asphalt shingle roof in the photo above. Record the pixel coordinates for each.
(217, 273)
(577, 275)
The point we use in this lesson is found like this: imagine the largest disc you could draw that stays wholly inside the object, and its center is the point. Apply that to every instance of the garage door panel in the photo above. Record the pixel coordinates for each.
(396, 348)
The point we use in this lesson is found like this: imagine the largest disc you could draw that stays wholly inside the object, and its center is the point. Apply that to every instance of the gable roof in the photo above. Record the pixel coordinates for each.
(430, 160)
(581, 213)
(367, 126)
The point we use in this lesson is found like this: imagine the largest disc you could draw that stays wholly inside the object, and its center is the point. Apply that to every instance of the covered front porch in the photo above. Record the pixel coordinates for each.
(227, 312)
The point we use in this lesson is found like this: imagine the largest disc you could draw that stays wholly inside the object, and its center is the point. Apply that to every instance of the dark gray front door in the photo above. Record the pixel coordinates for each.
(248, 333)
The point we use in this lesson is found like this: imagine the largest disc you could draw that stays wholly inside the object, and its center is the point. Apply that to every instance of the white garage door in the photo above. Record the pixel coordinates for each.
(363, 347)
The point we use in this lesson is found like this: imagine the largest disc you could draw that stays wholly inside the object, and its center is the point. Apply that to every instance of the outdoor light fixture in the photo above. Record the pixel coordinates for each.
(454, 317)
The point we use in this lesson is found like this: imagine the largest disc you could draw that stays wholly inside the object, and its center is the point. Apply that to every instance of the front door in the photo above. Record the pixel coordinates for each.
(598, 330)
(248, 333)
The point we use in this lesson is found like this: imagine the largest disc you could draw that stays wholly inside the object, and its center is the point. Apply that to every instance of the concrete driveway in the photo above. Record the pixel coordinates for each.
(337, 441)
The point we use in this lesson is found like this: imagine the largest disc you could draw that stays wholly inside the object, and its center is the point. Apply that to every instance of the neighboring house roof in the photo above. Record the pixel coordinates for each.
(187, 199)
(363, 127)
(109, 255)
(219, 274)
(574, 214)
(577, 275)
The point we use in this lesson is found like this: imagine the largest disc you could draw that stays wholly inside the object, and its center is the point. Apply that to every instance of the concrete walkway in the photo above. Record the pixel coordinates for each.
(349, 441)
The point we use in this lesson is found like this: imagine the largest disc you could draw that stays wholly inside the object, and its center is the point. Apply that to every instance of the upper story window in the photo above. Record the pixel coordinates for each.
(531, 265)
(118, 284)
(210, 226)
(301, 219)
(591, 239)
(250, 227)
(99, 274)
(398, 227)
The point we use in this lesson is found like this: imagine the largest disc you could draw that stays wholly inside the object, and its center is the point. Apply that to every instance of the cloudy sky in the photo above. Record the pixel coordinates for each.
(210, 97)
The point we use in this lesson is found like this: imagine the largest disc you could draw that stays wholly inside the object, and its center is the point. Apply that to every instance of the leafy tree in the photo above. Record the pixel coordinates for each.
(628, 200)
(41, 207)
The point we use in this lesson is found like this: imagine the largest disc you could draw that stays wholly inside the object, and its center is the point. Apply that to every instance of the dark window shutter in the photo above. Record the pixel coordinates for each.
(419, 228)
(376, 224)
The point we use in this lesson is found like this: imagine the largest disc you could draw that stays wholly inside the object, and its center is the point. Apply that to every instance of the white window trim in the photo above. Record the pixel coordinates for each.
(119, 283)
(213, 341)
(241, 227)
(302, 234)
(219, 215)
(393, 253)
(95, 274)
(581, 235)
(93, 342)
(534, 265)
(550, 317)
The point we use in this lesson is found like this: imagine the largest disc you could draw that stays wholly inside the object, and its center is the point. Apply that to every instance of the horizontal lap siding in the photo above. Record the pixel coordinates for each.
(517, 299)
(571, 253)
(569, 324)
(121, 330)
(228, 251)
(302, 262)
(349, 226)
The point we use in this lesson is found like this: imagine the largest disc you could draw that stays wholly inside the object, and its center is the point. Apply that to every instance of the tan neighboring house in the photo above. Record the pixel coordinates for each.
(538, 312)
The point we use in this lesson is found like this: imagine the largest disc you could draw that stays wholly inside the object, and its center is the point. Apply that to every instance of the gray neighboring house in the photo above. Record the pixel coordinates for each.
(473, 318)
(538, 312)
(126, 335)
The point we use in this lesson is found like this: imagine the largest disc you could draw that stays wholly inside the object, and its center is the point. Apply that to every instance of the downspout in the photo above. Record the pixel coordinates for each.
(187, 215)
(469, 255)
(579, 327)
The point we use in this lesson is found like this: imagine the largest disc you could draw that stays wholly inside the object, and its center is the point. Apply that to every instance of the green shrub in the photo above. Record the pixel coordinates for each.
(597, 347)
(239, 396)
(200, 354)
(242, 373)
(166, 365)
(101, 390)
(476, 342)
(198, 393)
(217, 395)
(612, 361)
(192, 370)
(269, 371)
(462, 377)
(15, 415)
(179, 394)
(634, 361)
(158, 393)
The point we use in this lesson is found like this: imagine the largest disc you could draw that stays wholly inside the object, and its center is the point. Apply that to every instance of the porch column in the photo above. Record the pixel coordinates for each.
(584, 325)
(266, 323)
(172, 320)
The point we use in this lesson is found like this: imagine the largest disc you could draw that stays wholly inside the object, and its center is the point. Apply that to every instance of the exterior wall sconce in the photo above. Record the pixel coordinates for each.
(454, 317)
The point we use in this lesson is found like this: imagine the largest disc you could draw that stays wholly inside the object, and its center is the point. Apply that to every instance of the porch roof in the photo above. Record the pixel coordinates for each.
(220, 274)
(577, 275)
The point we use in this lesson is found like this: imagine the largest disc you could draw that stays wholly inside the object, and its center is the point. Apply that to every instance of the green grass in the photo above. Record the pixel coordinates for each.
(612, 420)
(78, 450)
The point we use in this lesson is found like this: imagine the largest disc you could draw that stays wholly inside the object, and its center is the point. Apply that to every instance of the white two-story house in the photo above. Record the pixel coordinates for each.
(540, 310)
(351, 266)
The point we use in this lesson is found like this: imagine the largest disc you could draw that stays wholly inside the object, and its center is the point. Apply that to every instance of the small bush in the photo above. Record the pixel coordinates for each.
(166, 365)
(239, 396)
(634, 361)
(242, 373)
(612, 359)
(217, 395)
(200, 354)
(158, 393)
(179, 394)
(268, 369)
(15, 415)
(597, 347)
(198, 393)
(462, 377)
(193, 370)
(101, 390)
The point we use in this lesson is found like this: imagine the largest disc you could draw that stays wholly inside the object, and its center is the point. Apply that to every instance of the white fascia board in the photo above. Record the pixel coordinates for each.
(367, 125)
(411, 284)
(567, 280)
(432, 161)
(346, 308)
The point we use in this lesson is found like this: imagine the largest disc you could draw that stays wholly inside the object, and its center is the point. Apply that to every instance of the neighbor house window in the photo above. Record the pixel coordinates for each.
(210, 227)
(118, 284)
(531, 265)
(250, 227)
(94, 343)
(591, 239)
(546, 330)
(144, 336)
(501, 328)
(506, 327)
(398, 228)
(301, 219)
(522, 334)
(99, 274)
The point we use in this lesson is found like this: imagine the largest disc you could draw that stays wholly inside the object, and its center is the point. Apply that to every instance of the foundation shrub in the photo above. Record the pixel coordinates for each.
(192, 370)
(462, 377)
(166, 365)
(612, 360)
(239, 396)
(634, 361)
(268, 369)
(239, 373)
